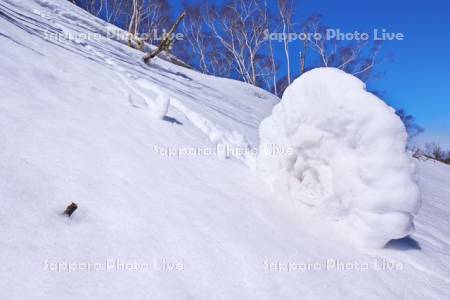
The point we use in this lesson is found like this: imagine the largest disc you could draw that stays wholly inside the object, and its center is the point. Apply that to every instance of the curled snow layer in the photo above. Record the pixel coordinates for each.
(344, 153)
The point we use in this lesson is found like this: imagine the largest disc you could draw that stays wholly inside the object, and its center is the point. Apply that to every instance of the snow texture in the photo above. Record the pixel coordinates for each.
(345, 155)
(77, 124)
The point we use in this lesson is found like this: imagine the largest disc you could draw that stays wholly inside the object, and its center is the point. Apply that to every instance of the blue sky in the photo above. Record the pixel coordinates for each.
(418, 77)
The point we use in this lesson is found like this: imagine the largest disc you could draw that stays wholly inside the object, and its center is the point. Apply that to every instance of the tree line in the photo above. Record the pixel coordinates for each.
(247, 40)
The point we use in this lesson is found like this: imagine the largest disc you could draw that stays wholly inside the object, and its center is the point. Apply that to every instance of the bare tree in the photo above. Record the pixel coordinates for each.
(306, 29)
(149, 18)
(239, 26)
(286, 11)
(133, 25)
(269, 20)
(111, 11)
(115, 9)
(358, 57)
(199, 41)
(435, 151)
(207, 52)
(155, 19)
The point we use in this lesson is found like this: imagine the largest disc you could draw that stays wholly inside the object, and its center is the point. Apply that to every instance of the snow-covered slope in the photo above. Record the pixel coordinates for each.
(77, 123)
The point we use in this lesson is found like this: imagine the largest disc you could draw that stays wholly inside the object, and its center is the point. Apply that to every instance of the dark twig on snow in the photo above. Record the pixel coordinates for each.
(70, 209)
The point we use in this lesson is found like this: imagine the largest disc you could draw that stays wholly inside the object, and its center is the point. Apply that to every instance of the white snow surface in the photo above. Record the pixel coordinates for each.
(344, 154)
(85, 120)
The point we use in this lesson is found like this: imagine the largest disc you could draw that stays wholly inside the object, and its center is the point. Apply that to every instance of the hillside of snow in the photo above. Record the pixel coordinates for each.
(168, 207)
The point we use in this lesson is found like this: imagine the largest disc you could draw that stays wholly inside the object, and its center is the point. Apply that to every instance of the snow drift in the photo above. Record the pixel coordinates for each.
(344, 154)
(77, 124)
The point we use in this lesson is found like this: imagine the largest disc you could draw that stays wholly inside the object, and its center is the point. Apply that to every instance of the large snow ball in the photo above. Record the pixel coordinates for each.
(336, 147)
